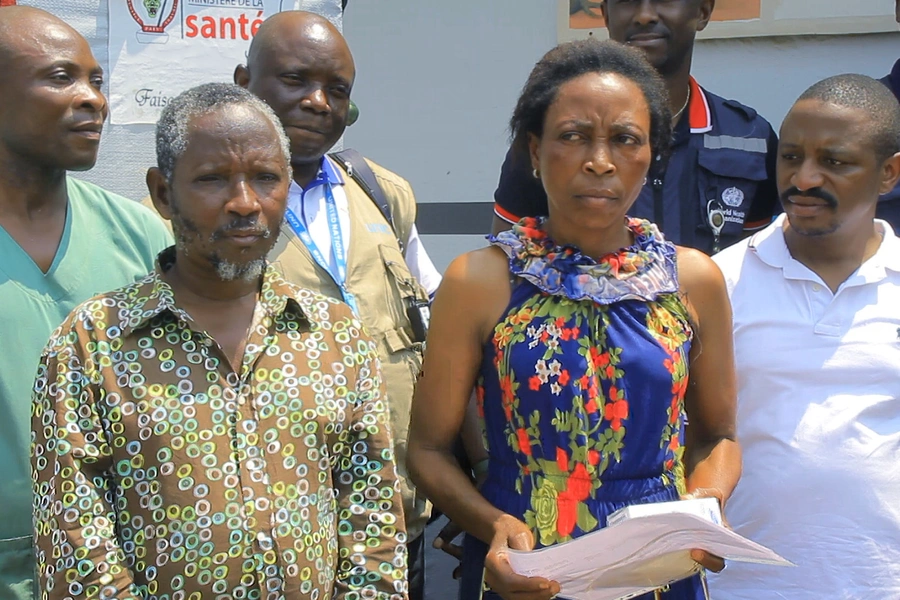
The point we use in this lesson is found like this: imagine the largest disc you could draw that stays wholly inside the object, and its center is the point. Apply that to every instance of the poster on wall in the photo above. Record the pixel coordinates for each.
(578, 19)
(159, 48)
(585, 14)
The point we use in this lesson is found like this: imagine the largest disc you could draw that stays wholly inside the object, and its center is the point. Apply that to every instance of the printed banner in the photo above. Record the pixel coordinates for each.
(585, 14)
(159, 48)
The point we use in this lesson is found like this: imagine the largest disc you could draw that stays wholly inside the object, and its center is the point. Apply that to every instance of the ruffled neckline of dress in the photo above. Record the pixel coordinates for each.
(642, 271)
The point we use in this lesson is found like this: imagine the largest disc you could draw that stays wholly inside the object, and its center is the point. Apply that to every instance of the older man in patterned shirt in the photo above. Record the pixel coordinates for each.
(212, 431)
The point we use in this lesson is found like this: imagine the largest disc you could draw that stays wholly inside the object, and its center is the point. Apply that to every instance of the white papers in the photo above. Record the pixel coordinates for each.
(636, 556)
(708, 508)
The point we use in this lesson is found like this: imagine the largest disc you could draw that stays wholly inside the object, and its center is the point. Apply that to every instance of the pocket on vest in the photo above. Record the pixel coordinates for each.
(728, 179)
(401, 287)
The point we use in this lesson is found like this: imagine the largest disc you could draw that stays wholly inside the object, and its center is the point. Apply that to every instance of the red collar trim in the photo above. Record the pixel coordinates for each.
(699, 115)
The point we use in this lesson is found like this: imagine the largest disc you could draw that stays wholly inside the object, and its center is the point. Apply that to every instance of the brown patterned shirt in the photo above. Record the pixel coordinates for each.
(159, 472)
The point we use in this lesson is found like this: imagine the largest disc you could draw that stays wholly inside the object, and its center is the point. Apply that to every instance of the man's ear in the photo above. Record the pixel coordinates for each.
(242, 76)
(705, 11)
(890, 174)
(160, 193)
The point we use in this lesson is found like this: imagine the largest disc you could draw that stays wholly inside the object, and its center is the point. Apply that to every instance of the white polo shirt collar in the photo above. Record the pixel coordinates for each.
(769, 246)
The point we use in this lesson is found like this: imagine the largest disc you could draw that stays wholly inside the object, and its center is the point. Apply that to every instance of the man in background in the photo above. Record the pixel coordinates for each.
(337, 239)
(61, 240)
(889, 203)
(892, 80)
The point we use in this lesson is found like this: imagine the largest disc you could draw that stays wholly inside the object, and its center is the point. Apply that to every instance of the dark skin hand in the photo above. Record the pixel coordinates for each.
(451, 531)
(444, 540)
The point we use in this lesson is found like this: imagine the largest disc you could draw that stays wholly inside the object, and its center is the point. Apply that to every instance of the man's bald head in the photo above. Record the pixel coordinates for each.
(870, 96)
(315, 29)
(53, 107)
(300, 64)
(22, 26)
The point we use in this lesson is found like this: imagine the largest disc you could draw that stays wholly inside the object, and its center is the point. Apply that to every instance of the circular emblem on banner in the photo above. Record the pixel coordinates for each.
(733, 197)
(153, 16)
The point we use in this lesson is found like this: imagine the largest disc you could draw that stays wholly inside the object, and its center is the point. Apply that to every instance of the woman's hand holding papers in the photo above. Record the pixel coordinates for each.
(703, 558)
(510, 532)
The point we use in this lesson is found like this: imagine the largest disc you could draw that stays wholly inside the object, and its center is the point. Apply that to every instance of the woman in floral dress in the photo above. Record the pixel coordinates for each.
(589, 339)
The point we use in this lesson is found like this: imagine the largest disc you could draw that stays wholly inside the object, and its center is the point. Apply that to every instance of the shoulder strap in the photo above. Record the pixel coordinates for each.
(359, 171)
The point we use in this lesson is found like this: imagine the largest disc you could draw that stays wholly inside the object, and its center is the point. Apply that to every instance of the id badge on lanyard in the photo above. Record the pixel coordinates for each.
(337, 246)
(716, 218)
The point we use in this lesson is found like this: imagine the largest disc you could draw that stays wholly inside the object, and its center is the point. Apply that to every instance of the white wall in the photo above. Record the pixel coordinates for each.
(436, 84)
(770, 73)
(437, 81)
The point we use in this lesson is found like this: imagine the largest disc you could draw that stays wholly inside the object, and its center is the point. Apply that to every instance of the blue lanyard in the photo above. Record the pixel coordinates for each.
(337, 245)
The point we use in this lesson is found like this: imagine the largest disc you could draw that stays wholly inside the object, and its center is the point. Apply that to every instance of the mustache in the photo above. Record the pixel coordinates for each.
(816, 192)
(246, 226)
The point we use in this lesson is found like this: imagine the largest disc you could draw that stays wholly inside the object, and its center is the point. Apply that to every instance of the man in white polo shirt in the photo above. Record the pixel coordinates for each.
(816, 299)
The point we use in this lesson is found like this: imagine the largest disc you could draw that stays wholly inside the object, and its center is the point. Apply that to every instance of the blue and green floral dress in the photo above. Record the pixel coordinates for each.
(582, 386)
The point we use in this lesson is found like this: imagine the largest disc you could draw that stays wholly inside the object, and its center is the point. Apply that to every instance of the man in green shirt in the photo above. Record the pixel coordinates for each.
(61, 240)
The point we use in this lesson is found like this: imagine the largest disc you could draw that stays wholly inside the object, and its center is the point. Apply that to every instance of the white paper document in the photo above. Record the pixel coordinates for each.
(636, 556)
(708, 508)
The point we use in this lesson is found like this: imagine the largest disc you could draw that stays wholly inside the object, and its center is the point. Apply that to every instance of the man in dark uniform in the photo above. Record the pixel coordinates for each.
(717, 184)
(888, 207)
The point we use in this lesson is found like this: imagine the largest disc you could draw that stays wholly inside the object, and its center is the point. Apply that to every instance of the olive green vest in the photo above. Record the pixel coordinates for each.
(377, 275)
(379, 278)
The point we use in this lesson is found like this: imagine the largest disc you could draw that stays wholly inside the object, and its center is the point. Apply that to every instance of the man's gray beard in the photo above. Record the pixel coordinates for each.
(227, 271)
(251, 271)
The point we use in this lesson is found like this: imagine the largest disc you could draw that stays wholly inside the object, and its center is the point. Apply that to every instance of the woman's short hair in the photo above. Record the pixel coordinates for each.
(574, 59)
